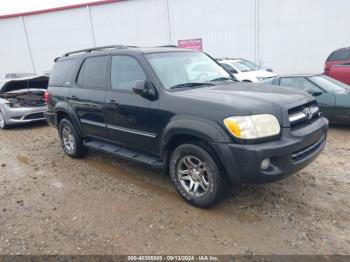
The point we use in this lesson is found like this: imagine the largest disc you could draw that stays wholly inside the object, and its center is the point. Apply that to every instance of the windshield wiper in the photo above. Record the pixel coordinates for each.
(223, 79)
(190, 84)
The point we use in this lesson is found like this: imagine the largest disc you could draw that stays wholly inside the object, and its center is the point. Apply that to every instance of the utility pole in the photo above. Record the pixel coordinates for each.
(27, 43)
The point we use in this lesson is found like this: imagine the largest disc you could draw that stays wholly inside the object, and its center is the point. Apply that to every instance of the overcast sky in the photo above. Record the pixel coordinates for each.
(19, 6)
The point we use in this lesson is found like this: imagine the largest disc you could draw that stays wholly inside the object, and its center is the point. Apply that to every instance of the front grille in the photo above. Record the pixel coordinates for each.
(34, 116)
(303, 115)
(305, 152)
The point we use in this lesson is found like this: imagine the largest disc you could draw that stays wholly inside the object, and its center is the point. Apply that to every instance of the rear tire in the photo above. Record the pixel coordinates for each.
(3, 124)
(71, 142)
(196, 176)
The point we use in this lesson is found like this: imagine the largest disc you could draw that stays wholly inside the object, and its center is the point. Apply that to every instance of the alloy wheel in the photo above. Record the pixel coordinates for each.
(68, 139)
(193, 175)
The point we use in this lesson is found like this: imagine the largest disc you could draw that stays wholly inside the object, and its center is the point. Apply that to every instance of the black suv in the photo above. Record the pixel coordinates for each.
(178, 109)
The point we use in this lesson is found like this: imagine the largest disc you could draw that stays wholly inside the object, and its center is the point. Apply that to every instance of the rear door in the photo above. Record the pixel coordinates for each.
(88, 97)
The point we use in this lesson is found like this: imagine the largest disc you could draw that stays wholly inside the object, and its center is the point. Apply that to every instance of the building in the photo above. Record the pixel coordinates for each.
(291, 36)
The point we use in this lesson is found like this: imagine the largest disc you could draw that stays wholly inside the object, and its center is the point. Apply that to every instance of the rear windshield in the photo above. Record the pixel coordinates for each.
(61, 73)
(340, 55)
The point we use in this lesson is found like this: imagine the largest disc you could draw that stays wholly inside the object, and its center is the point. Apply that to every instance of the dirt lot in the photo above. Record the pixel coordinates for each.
(51, 204)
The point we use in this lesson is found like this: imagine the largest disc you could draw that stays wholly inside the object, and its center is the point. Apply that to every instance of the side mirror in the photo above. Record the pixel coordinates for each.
(145, 89)
(233, 71)
(315, 93)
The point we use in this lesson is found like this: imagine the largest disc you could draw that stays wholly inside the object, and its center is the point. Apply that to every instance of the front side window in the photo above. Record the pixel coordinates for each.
(176, 68)
(125, 70)
(301, 83)
(227, 67)
(93, 73)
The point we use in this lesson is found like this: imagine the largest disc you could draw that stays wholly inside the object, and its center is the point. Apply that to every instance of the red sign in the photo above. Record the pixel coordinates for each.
(195, 44)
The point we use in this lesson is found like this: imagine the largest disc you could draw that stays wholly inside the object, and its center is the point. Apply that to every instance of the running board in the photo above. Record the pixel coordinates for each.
(123, 152)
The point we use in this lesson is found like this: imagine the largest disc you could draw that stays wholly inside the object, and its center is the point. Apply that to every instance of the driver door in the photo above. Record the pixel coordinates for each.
(128, 115)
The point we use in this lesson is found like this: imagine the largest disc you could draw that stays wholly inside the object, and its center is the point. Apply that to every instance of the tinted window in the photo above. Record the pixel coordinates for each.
(300, 83)
(340, 55)
(268, 81)
(329, 84)
(93, 73)
(227, 67)
(125, 70)
(61, 73)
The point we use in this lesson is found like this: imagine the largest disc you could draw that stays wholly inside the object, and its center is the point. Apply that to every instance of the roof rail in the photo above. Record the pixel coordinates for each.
(169, 46)
(88, 50)
(226, 58)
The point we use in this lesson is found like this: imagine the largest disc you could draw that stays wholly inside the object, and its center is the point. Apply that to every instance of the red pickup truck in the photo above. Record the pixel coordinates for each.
(338, 65)
(340, 72)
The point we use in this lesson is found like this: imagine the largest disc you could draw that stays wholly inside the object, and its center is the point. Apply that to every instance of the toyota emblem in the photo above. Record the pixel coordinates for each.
(308, 113)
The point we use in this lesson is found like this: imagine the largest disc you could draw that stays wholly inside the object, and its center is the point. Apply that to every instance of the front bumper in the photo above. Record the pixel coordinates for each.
(292, 152)
(20, 115)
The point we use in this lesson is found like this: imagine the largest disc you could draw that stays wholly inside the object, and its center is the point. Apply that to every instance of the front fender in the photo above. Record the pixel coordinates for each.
(202, 128)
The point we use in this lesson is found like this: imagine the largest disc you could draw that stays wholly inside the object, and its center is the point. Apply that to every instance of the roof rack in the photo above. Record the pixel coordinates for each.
(88, 50)
(169, 46)
(226, 58)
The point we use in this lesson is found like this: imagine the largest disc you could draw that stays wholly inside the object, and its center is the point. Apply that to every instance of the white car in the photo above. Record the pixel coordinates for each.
(246, 71)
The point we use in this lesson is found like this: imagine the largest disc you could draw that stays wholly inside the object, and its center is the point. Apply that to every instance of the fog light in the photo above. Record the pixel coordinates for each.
(265, 164)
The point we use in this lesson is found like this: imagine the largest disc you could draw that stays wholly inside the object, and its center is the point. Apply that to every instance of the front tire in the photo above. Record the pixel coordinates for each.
(196, 175)
(71, 142)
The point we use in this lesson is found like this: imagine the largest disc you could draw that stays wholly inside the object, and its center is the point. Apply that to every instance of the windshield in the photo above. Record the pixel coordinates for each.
(329, 84)
(243, 66)
(250, 64)
(179, 68)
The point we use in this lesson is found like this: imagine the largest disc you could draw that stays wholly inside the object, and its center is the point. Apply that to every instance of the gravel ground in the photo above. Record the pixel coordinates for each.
(51, 204)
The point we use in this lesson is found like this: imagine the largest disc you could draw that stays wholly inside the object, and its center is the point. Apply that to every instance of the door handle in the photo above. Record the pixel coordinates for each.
(112, 101)
(73, 97)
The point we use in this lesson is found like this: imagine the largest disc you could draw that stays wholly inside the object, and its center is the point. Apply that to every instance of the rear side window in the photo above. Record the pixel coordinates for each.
(93, 73)
(61, 73)
(125, 70)
(340, 55)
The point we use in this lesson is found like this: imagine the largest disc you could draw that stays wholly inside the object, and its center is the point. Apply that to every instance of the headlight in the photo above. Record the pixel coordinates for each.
(261, 79)
(253, 127)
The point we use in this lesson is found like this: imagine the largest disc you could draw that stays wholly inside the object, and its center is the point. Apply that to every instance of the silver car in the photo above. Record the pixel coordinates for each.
(22, 100)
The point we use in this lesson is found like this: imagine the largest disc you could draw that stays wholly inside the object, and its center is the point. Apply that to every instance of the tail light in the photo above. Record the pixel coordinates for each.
(46, 97)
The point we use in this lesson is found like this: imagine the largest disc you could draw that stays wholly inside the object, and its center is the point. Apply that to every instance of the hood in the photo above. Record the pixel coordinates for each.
(37, 82)
(251, 98)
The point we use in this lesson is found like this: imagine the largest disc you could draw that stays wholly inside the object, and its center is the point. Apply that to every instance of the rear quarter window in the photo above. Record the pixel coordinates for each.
(340, 55)
(61, 73)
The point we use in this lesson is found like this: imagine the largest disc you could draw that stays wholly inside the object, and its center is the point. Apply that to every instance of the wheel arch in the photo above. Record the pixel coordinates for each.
(197, 128)
(63, 111)
(194, 131)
